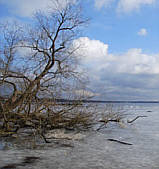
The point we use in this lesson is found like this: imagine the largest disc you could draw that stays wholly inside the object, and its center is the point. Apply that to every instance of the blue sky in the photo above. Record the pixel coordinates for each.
(120, 29)
(121, 53)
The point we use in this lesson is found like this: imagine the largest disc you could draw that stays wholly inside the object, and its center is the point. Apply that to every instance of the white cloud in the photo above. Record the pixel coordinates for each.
(142, 32)
(134, 61)
(124, 6)
(96, 57)
(102, 3)
(131, 75)
(93, 52)
(131, 5)
(26, 8)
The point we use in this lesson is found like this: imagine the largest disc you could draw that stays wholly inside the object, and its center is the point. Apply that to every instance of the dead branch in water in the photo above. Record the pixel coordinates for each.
(111, 120)
(48, 71)
(110, 115)
(105, 122)
(102, 126)
(131, 121)
(121, 142)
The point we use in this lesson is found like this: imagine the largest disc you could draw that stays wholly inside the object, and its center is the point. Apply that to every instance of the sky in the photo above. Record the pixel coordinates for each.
(121, 45)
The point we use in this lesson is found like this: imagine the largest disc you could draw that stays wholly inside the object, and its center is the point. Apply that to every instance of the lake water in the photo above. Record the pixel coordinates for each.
(95, 151)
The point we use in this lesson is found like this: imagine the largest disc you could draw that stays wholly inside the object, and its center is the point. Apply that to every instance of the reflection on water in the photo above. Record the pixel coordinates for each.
(96, 152)
(1, 145)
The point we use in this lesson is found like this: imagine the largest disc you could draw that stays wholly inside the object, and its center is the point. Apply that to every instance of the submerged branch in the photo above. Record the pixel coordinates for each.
(118, 141)
(131, 121)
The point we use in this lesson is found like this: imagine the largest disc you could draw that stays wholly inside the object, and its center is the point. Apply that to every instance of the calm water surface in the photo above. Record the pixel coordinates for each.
(96, 152)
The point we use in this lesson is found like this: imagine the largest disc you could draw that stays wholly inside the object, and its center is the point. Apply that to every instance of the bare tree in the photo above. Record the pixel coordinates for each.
(38, 62)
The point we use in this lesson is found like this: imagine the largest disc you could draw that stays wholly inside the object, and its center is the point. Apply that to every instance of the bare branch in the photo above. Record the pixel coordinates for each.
(131, 121)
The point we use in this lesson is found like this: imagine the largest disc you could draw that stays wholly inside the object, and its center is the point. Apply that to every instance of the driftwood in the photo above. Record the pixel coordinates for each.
(102, 126)
(121, 142)
(111, 120)
(131, 121)
(105, 122)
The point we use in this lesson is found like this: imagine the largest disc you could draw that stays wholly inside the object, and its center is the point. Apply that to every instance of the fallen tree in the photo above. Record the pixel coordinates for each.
(37, 62)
